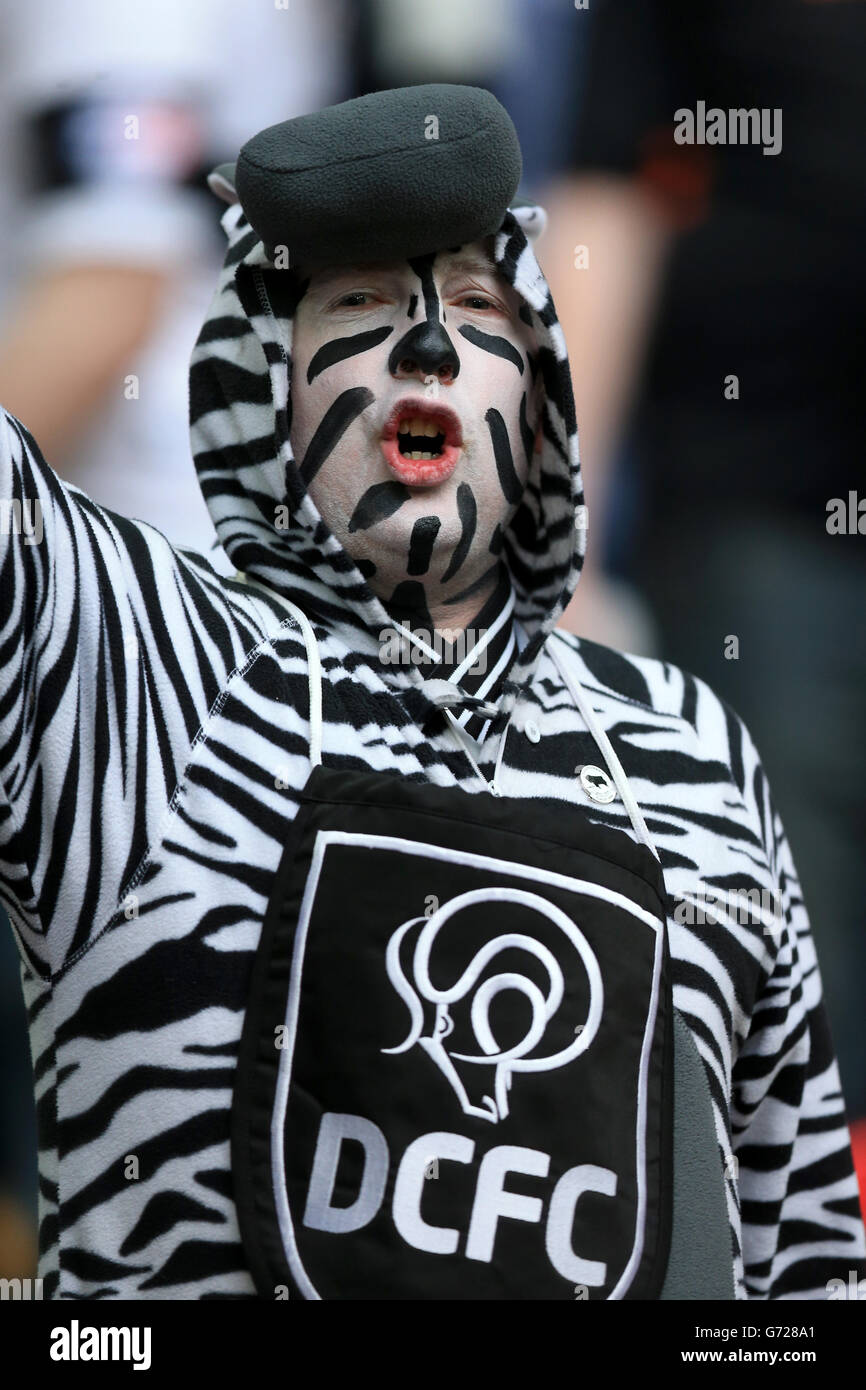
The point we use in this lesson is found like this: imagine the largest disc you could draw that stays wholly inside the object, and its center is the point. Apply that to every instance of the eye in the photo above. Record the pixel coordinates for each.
(477, 301)
(353, 299)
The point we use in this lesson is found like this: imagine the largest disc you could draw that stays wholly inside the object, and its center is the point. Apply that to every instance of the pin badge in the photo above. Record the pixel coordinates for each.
(597, 784)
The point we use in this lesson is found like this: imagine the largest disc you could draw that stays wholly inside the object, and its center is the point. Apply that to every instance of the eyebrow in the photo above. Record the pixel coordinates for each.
(474, 265)
(469, 264)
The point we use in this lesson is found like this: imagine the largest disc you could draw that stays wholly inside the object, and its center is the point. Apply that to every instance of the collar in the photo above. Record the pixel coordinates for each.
(479, 660)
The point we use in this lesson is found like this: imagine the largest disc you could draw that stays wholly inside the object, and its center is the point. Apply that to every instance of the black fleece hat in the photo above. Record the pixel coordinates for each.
(385, 176)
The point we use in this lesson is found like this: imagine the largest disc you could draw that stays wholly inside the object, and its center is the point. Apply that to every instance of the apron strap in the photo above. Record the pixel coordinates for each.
(314, 668)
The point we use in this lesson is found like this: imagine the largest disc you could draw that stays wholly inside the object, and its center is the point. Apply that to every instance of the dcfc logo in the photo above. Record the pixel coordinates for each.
(503, 1061)
(467, 1105)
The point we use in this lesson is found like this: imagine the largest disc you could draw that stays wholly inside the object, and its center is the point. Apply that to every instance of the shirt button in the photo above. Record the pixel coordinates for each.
(532, 731)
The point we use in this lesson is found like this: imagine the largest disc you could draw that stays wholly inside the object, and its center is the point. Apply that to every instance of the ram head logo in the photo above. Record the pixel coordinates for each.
(543, 1003)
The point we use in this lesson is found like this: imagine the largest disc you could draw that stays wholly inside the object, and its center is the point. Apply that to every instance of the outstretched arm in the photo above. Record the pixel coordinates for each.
(113, 647)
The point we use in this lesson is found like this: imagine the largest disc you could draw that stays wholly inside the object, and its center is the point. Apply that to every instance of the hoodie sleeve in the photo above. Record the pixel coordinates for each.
(113, 647)
(800, 1209)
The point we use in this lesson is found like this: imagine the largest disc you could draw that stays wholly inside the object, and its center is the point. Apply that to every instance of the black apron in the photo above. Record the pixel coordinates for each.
(456, 1071)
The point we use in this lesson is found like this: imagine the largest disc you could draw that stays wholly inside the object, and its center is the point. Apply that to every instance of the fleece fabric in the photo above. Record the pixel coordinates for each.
(154, 741)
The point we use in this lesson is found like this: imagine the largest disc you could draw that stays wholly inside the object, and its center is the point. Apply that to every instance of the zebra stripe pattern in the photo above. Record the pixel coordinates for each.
(153, 743)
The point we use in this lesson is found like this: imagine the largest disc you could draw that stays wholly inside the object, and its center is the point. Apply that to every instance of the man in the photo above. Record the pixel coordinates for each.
(352, 974)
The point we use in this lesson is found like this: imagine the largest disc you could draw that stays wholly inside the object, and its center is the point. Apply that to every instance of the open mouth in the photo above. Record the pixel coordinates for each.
(420, 439)
(421, 442)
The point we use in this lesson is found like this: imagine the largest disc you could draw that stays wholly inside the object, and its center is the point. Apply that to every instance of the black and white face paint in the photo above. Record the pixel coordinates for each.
(414, 417)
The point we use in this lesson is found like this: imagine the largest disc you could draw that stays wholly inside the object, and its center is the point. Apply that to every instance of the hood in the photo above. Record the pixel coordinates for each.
(240, 417)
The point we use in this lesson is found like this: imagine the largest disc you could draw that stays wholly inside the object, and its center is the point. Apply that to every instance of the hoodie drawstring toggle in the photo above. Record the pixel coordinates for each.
(446, 695)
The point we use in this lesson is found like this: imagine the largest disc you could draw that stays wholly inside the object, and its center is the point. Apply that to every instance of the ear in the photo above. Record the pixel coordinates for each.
(532, 218)
(221, 181)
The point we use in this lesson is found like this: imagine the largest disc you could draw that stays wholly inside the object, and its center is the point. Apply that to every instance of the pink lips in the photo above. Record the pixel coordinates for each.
(422, 472)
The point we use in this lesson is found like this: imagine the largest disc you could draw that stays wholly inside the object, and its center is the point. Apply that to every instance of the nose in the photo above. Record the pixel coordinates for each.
(425, 349)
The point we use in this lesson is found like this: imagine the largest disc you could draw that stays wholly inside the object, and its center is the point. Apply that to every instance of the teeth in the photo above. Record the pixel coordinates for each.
(420, 427)
(416, 424)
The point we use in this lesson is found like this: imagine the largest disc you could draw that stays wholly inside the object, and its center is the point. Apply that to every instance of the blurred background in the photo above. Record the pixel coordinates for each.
(712, 297)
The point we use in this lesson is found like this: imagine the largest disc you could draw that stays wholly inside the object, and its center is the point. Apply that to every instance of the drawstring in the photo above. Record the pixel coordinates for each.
(615, 768)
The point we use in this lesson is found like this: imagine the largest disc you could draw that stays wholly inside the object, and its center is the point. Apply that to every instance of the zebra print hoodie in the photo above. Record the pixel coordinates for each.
(155, 738)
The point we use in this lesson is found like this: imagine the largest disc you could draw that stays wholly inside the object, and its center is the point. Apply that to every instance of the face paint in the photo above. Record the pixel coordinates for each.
(468, 513)
(423, 268)
(500, 347)
(363, 404)
(427, 347)
(509, 478)
(378, 502)
(424, 533)
(408, 603)
(341, 348)
(338, 417)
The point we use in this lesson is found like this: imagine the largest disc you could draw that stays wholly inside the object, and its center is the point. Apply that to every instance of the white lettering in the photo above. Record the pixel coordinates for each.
(586, 1177)
(492, 1201)
(320, 1215)
(412, 1182)
(76, 1343)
